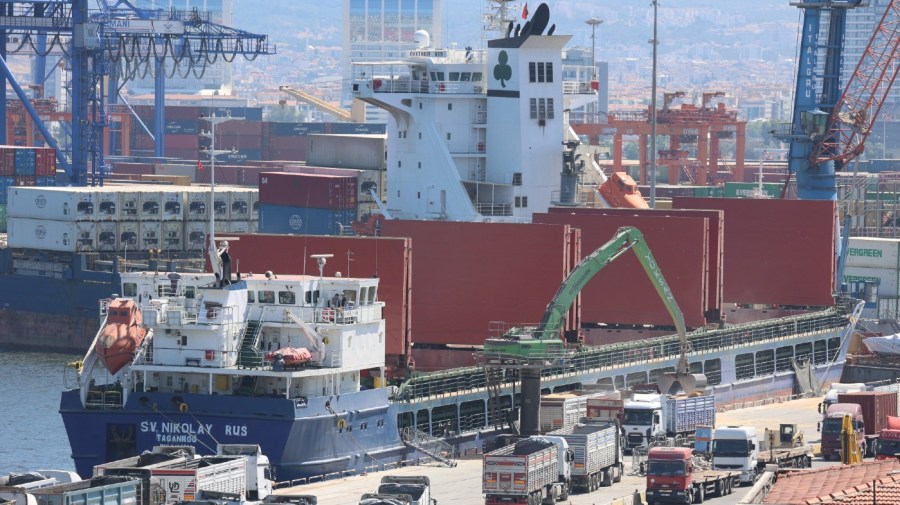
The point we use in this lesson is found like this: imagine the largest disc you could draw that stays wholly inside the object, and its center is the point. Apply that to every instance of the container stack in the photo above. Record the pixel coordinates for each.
(145, 218)
(875, 261)
(306, 204)
(287, 141)
(234, 210)
(24, 166)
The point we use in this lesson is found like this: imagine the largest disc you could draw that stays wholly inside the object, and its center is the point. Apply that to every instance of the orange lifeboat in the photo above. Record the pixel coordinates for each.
(291, 355)
(121, 336)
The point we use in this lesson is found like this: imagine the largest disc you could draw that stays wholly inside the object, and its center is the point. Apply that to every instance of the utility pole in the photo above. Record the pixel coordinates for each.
(655, 43)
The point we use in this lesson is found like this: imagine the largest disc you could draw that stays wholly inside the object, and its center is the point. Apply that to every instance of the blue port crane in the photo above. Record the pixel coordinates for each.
(830, 124)
(104, 48)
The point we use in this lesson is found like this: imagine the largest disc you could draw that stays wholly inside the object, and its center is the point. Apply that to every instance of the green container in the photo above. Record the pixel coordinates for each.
(3, 218)
(708, 191)
(748, 189)
(883, 196)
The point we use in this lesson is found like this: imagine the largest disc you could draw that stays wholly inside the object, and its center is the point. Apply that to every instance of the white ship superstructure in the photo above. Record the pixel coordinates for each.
(478, 135)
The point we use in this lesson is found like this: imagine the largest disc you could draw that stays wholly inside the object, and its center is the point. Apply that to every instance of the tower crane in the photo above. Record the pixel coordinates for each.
(97, 45)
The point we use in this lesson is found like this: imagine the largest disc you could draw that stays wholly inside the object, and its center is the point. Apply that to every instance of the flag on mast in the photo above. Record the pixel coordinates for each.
(200, 165)
(525, 11)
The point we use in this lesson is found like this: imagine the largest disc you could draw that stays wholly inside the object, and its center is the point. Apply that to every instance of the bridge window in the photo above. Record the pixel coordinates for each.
(266, 296)
(129, 289)
(287, 298)
(251, 296)
(697, 367)
(190, 292)
(517, 178)
(477, 76)
(454, 76)
(743, 366)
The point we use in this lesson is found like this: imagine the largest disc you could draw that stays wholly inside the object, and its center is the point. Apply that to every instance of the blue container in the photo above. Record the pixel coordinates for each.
(357, 128)
(296, 129)
(5, 183)
(303, 220)
(240, 157)
(46, 181)
(25, 161)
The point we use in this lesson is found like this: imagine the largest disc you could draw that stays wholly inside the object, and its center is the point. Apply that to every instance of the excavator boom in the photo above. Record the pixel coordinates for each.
(523, 345)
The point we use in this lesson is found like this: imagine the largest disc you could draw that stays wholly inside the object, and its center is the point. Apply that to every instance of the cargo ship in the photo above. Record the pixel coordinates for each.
(474, 133)
(201, 375)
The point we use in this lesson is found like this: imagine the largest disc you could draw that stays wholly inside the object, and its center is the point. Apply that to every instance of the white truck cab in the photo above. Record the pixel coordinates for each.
(736, 448)
(564, 456)
(642, 419)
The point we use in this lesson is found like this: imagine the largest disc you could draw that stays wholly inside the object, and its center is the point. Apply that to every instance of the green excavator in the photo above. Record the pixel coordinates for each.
(542, 344)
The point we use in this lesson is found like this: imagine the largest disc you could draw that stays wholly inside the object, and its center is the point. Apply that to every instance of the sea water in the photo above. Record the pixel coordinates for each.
(32, 435)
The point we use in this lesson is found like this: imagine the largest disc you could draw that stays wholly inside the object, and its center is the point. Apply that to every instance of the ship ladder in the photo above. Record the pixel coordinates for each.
(433, 447)
(493, 379)
(250, 356)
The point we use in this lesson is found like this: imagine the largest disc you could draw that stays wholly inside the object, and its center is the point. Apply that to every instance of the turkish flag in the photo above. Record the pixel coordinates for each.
(525, 11)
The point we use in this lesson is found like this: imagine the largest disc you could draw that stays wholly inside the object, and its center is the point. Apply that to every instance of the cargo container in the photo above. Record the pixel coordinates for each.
(172, 205)
(106, 233)
(197, 204)
(221, 204)
(876, 407)
(168, 180)
(129, 203)
(106, 208)
(195, 235)
(182, 127)
(7, 161)
(254, 206)
(151, 204)
(127, 235)
(277, 129)
(237, 141)
(25, 180)
(364, 152)
(750, 189)
(308, 190)
(56, 204)
(45, 181)
(887, 280)
(6, 182)
(182, 170)
(108, 490)
(355, 128)
(561, 410)
(598, 454)
(149, 235)
(26, 163)
(303, 221)
(870, 252)
(529, 471)
(239, 227)
(45, 162)
(239, 204)
(64, 236)
(174, 141)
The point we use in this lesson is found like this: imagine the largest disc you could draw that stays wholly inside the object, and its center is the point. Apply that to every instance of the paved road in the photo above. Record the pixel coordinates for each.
(462, 485)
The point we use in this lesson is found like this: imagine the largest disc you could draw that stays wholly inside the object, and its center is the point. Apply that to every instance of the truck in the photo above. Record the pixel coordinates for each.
(736, 448)
(832, 427)
(672, 477)
(836, 388)
(597, 458)
(531, 471)
(652, 416)
(385, 499)
(108, 490)
(888, 444)
(169, 475)
(876, 407)
(560, 410)
(418, 488)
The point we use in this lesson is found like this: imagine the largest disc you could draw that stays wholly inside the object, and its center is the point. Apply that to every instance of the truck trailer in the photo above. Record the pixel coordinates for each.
(672, 478)
(531, 471)
(597, 454)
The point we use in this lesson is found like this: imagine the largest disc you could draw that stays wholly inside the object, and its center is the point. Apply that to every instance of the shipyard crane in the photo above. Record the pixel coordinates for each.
(829, 127)
(96, 44)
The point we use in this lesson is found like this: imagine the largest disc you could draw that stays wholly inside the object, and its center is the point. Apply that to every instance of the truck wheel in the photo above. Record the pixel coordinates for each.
(564, 495)
(605, 479)
(720, 488)
(701, 495)
(619, 471)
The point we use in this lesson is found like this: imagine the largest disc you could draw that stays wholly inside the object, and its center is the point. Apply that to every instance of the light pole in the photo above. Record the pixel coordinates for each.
(594, 23)
(655, 43)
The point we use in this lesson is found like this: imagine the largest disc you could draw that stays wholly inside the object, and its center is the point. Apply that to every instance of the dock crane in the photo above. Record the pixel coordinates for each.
(95, 44)
(829, 126)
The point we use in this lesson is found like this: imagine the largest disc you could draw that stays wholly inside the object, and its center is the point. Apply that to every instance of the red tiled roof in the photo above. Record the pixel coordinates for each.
(825, 485)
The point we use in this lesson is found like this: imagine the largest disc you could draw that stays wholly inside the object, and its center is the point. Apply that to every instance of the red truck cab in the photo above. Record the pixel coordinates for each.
(669, 472)
(888, 444)
(832, 426)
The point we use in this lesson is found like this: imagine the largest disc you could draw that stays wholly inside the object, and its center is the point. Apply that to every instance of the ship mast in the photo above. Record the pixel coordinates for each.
(497, 17)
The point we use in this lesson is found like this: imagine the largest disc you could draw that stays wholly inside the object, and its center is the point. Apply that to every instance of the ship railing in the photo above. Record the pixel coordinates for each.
(577, 88)
(104, 398)
(647, 351)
